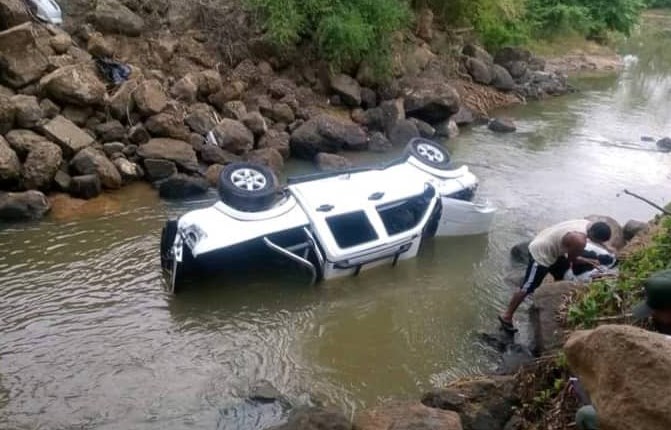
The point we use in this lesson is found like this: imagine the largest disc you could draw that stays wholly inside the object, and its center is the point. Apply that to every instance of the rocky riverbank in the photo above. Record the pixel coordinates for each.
(70, 123)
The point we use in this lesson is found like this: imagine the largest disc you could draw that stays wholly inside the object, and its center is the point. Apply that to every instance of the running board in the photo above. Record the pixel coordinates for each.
(290, 255)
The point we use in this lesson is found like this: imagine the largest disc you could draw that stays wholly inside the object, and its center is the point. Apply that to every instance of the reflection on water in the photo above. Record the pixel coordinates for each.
(89, 338)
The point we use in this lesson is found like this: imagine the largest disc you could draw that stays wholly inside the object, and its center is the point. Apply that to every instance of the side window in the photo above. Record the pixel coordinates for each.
(351, 229)
(403, 215)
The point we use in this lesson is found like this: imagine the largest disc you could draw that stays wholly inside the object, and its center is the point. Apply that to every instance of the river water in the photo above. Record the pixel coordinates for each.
(90, 339)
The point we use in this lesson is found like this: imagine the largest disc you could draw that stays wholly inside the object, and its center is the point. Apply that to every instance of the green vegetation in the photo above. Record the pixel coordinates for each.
(348, 31)
(615, 297)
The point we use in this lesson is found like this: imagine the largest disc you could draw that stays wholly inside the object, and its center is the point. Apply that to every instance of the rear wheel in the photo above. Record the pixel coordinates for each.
(247, 187)
(428, 152)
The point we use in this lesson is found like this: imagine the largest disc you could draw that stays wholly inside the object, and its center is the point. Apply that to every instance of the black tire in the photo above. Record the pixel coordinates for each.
(429, 152)
(256, 187)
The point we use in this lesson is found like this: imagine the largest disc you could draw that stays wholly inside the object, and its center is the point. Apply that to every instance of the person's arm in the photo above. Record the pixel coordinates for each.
(582, 260)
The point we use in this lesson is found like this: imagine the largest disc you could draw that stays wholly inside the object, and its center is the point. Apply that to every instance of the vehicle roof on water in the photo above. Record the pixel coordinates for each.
(348, 191)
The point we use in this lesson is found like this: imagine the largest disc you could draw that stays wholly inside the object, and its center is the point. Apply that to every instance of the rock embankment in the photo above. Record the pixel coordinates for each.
(69, 123)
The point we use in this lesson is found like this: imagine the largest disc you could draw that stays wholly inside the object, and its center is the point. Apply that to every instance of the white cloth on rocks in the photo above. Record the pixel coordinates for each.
(546, 248)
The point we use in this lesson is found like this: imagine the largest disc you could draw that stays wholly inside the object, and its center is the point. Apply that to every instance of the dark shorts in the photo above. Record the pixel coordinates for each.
(536, 273)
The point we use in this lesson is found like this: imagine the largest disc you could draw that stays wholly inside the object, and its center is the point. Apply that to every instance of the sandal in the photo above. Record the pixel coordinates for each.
(507, 326)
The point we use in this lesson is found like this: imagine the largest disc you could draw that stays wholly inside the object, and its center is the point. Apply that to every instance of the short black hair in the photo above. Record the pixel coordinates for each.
(599, 231)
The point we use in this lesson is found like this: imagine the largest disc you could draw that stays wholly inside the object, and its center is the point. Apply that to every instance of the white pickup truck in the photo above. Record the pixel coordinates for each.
(332, 224)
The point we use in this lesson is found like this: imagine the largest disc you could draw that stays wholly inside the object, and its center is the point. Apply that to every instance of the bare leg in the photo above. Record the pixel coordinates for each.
(515, 302)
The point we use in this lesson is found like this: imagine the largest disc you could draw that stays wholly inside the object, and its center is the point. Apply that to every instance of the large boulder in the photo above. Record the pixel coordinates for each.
(185, 90)
(110, 131)
(23, 141)
(278, 140)
(150, 98)
(479, 53)
(402, 132)
(157, 169)
(77, 84)
(633, 228)
(315, 418)
(92, 161)
(331, 162)
(27, 110)
(483, 403)
(181, 186)
(514, 59)
(212, 154)
(347, 88)
(167, 124)
(325, 133)
(616, 241)
(502, 79)
(233, 136)
(85, 186)
(379, 143)
(269, 157)
(479, 71)
(41, 165)
(24, 54)
(12, 13)
(201, 119)
(23, 206)
(625, 370)
(111, 16)
(256, 123)
(406, 416)
(71, 138)
(431, 100)
(548, 333)
(10, 166)
(174, 150)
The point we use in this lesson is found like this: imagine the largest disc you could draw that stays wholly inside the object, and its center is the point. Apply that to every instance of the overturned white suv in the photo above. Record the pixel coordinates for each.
(332, 224)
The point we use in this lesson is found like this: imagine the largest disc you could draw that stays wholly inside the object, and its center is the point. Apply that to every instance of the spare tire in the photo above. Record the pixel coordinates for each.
(429, 152)
(247, 187)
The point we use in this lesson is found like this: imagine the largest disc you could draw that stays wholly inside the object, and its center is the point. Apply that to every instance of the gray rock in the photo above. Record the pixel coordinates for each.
(517, 69)
(263, 391)
(347, 88)
(23, 141)
(502, 79)
(167, 125)
(12, 13)
(62, 181)
(77, 84)
(424, 128)
(520, 252)
(138, 134)
(212, 154)
(85, 186)
(431, 100)
(281, 87)
(71, 138)
(463, 117)
(374, 119)
(10, 166)
(129, 171)
(402, 132)
(110, 131)
(201, 120)
(182, 186)
(121, 103)
(92, 161)
(548, 334)
(368, 98)
(41, 166)
(406, 415)
(502, 125)
(379, 143)
(150, 98)
(509, 54)
(27, 110)
(197, 141)
(255, 122)
(616, 241)
(209, 82)
(479, 53)
(315, 418)
(111, 16)
(235, 109)
(325, 133)
(278, 140)
(24, 57)
(157, 169)
(633, 228)
(7, 114)
(112, 148)
(269, 157)
(448, 129)
(79, 115)
(174, 150)
(233, 136)
(480, 71)
(25, 206)
(130, 150)
(280, 112)
(331, 162)
(98, 46)
(49, 108)
(186, 89)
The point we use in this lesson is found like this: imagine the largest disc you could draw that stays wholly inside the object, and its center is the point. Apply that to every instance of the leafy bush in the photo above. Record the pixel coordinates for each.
(345, 31)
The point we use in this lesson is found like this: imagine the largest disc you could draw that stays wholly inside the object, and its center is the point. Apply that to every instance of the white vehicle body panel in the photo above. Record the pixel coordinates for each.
(47, 11)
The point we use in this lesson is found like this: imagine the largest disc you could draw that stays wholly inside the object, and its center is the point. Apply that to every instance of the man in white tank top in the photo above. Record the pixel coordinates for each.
(553, 251)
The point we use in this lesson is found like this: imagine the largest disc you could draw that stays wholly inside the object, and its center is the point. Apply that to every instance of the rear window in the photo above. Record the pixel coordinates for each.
(351, 229)
(403, 215)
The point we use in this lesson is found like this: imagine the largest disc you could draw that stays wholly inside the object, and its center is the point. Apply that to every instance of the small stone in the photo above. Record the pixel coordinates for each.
(62, 181)
(502, 125)
(150, 97)
(112, 148)
(27, 110)
(212, 174)
(49, 108)
(110, 131)
(331, 162)
(138, 134)
(156, 169)
(182, 186)
(77, 114)
(85, 186)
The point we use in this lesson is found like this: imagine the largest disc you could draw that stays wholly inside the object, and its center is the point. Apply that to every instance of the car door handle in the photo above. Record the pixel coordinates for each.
(376, 196)
(325, 208)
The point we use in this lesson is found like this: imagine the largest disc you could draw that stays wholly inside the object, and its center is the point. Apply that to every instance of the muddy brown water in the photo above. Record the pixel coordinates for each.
(89, 338)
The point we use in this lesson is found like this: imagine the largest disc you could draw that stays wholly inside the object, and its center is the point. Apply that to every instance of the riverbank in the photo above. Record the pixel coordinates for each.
(70, 124)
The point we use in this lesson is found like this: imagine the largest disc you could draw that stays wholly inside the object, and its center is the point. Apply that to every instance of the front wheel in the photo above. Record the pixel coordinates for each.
(247, 187)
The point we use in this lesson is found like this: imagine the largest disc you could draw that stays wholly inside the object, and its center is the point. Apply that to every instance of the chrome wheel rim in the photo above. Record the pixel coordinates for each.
(248, 179)
(430, 152)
